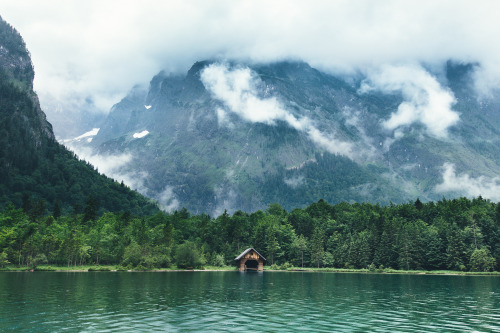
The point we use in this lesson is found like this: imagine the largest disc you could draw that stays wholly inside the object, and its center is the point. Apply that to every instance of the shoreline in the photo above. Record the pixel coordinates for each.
(113, 268)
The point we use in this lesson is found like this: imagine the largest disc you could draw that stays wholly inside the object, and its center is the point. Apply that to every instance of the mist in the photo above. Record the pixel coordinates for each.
(471, 186)
(100, 49)
(238, 89)
(425, 101)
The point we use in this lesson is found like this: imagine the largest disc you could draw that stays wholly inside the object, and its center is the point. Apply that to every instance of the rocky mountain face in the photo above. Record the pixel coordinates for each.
(241, 136)
(36, 172)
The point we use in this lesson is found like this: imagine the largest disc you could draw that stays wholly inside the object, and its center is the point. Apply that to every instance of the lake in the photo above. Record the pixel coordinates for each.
(234, 301)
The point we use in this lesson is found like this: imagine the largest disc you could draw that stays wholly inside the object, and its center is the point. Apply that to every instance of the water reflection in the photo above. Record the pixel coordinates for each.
(234, 301)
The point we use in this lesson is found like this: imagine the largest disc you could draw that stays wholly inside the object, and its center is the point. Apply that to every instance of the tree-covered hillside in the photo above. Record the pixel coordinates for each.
(36, 172)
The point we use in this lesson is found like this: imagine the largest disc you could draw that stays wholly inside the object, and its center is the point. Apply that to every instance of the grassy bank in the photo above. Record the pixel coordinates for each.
(378, 271)
(114, 268)
(108, 268)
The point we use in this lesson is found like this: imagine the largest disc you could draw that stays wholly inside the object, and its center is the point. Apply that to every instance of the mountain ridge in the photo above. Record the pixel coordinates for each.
(208, 148)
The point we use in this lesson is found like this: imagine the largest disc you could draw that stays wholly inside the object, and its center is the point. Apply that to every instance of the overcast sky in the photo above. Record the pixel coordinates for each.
(101, 48)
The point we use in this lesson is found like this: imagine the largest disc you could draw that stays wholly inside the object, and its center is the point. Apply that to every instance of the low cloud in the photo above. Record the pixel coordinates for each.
(113, 166)
(117, 166)
(352, 118)
(295, 182)
(226, 200)
(467, 185)
(238, 89)
(99, 49)
(486, 78)
(425, 101)
(167, 199)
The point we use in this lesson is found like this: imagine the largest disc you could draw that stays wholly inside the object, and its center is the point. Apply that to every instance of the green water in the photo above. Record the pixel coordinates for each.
(233, 301)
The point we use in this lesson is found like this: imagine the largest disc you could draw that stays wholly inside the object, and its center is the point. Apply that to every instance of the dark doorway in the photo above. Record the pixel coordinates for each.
(252, 264)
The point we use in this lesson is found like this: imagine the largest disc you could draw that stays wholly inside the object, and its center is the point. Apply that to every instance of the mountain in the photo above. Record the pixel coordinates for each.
(37, 172)
(240, 136)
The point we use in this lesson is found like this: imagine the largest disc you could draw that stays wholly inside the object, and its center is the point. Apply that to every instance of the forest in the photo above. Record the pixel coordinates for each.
(459, 234)
(36, 170)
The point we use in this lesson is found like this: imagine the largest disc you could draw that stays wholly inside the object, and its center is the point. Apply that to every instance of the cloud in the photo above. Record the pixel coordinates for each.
(101, 49)
(294, 182)
(487, 80)
(113, 166)
(167, 199)
(238, 89)
(117, 166)
(467, 185)
(227, 198)
(425, 101)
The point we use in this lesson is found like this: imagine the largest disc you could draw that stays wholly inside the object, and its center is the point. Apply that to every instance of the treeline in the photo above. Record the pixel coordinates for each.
(459, 234)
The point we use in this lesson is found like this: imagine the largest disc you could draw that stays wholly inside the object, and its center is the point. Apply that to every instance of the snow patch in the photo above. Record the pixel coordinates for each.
(141, 134)
(147, 107)
(91, 133)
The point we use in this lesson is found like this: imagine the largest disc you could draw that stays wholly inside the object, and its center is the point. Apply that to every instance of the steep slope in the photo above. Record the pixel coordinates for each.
(239, 136)
(34, 169)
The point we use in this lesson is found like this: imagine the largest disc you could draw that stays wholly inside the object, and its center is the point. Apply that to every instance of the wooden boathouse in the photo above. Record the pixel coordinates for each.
(250, 259)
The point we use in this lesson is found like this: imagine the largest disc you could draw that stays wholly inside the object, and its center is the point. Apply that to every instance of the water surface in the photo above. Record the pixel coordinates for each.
(233, 301)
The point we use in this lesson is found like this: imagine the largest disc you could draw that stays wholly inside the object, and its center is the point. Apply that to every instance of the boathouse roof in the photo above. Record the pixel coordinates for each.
(248, 250)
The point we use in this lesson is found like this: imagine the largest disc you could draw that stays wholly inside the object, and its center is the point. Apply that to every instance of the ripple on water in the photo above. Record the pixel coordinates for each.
(230, 301)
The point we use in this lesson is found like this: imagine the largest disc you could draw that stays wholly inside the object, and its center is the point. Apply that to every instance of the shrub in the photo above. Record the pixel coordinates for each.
(132, 255)
(3, 259)
(218, 260)
(38, 260)
(481, 260)
(188, 256)
(98, 269)
(286, 266)
(140, 268)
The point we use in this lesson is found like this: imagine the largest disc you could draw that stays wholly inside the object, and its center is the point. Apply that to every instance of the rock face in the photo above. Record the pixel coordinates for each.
(237, 136)
(35, 170)
(16, 67)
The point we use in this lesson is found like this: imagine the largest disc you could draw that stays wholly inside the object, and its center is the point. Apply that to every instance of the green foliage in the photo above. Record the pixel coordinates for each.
(274, 267)
(461, 235)
(218, 260)
(3, 259)
(286, 266)
(317, 246)
(99, 269)
(132, 255)
(481, 260)
(39, 259)
(188, 256)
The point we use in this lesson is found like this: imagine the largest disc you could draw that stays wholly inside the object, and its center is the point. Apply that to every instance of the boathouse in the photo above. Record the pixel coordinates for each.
(250, 259)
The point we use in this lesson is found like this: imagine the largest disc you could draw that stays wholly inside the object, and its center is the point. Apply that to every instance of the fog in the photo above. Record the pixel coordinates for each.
(97, 50)
(238, 89)
(470, 186)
